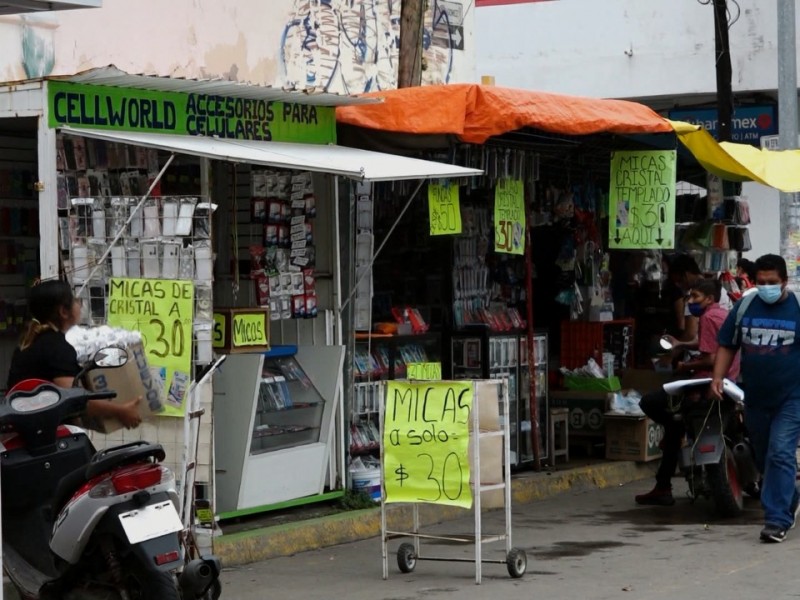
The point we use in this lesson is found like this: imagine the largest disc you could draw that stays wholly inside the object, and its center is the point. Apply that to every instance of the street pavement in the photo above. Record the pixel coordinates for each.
(592, 545)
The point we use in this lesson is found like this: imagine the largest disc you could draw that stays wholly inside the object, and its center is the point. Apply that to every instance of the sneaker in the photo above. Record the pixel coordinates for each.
(795, 512)
(656, 497)
(772, 534)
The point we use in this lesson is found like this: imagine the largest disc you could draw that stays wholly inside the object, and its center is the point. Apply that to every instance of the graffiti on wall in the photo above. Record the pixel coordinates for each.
(352, 46)
(38, 49)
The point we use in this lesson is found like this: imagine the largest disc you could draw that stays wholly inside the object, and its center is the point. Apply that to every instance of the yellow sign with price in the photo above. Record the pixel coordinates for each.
(444, 209)
(163, 311)
(426, 442)
(427, 371)
(509, 216)
(642, 199)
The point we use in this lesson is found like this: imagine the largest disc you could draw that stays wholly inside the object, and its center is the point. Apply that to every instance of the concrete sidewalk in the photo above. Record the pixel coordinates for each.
(291, 538)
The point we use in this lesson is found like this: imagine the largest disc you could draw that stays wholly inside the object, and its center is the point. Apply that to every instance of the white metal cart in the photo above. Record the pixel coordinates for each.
(409, 553)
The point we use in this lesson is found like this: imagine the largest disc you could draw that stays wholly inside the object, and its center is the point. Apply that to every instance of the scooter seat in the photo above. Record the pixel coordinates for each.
(118, 456)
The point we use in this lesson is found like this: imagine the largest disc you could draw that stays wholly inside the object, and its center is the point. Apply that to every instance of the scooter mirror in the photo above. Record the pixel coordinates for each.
(111, 357)
(665, 343)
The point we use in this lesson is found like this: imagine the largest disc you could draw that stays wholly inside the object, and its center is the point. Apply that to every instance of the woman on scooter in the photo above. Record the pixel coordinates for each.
(44, 352)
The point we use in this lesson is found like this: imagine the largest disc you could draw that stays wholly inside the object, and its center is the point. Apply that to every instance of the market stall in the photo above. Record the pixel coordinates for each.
(589, 273)
(163, 201)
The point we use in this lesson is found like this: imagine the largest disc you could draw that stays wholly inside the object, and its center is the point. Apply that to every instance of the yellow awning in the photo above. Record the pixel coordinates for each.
(779, 169)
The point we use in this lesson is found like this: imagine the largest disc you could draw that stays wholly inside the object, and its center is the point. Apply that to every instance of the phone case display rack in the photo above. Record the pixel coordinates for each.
(282, 262)
(408, 554)
(713, 227)
(486, 355)
(166, 237)
(484, 291)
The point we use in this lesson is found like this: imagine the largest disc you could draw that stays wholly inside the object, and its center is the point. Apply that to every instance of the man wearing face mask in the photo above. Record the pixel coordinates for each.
(765, 326)
(704, 305)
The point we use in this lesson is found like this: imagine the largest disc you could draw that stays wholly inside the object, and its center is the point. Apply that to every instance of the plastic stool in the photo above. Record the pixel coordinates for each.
(559, 416)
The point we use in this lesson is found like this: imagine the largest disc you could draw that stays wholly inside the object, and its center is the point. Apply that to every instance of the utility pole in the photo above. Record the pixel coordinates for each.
(724, 71)
(787, 112)
(409, 71)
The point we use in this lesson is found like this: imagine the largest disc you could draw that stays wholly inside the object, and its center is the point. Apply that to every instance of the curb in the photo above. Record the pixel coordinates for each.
(291, 538)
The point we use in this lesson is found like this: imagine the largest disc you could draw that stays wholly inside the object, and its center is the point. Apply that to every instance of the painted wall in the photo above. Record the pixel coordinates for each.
(337, 45)
(623, 48)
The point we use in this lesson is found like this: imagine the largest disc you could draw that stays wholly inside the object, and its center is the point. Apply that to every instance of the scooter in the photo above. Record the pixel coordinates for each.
(81, 524)
(717, 459)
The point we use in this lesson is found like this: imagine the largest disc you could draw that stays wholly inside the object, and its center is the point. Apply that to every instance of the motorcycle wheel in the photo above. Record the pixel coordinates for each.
(725, 487)
(143, 584)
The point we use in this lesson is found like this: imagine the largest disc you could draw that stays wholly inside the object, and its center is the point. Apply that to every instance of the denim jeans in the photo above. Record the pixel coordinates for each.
(774, 433)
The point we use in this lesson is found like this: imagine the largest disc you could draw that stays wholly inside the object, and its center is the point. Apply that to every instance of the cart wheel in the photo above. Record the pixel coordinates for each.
(406, 558)
(517, 563)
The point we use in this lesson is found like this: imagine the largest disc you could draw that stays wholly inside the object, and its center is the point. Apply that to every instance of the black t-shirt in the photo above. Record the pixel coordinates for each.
(49, 356)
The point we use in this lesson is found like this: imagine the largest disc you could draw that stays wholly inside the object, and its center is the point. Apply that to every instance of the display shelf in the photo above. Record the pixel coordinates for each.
(288, 418)
(478, 353)
(382, 357)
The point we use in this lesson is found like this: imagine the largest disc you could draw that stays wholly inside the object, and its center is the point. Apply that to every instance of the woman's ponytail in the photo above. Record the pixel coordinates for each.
(32, 331)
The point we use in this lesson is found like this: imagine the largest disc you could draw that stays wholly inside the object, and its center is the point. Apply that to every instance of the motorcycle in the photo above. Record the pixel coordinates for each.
(717, 459)
(83, 524)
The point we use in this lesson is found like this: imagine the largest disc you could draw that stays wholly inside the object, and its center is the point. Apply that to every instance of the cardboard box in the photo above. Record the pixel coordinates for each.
(586, 411)
(132, 380)
(491, 449)
(241, 330)
(487, 401)
(632, 438)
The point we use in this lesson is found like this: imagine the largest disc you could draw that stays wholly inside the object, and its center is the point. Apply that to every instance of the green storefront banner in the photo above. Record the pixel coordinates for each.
(126, 109)
(642, 200)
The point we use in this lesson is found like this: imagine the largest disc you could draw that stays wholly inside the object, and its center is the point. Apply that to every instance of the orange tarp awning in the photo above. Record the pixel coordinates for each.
(475, 113)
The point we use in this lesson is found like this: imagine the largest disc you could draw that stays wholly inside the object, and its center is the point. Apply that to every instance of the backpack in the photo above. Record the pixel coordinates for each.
(742, 307)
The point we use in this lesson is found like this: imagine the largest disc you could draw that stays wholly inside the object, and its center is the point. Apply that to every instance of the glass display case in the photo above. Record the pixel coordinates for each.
(489, 355)
(289, 408)
(274, 426)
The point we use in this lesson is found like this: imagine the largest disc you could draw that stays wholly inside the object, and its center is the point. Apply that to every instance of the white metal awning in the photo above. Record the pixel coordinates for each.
(112, 76)
(363, 165)
(15, 7)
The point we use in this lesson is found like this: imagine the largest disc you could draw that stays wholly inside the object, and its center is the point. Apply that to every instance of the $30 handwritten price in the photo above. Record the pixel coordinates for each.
(441, 477)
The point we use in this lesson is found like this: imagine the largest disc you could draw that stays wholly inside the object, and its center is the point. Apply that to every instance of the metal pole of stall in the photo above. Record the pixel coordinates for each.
(344, 411)
(533, 400)
(787, 112)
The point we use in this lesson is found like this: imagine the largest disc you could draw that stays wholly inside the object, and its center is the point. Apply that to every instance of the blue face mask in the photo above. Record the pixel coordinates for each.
(696, 309)
(770, 293)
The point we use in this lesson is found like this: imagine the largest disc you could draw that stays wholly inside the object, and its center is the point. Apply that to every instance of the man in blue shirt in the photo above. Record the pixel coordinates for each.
(769, 338)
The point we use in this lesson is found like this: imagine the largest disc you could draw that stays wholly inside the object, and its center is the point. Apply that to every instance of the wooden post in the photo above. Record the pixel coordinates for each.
(410, 64)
